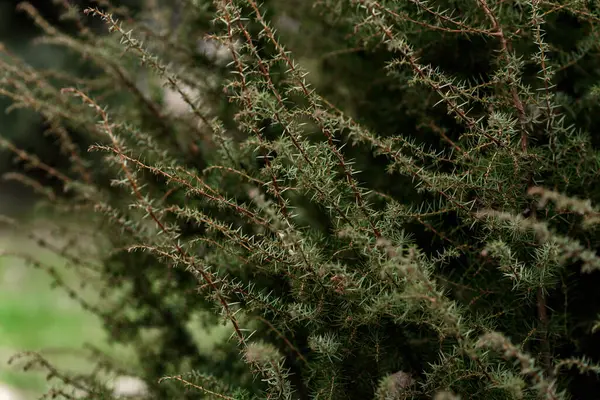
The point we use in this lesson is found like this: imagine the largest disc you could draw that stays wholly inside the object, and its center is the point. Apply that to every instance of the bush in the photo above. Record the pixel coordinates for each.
(398, 207)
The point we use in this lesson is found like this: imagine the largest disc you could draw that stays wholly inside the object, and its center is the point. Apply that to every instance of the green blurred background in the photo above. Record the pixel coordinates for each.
(33, 315)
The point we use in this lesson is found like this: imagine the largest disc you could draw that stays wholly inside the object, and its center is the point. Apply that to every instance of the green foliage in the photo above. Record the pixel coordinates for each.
(379, 199)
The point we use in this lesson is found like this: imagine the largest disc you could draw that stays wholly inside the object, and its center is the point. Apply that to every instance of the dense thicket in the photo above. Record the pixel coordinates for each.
(380, 199)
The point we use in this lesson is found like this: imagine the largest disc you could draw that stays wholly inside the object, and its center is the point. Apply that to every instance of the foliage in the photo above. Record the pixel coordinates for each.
(389, 200)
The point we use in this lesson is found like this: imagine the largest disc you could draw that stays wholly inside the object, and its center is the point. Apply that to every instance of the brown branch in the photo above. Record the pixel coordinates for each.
(504, 44)
(207, 276)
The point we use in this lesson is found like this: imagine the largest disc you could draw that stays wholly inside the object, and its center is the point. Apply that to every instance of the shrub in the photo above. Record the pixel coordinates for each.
(400, 206)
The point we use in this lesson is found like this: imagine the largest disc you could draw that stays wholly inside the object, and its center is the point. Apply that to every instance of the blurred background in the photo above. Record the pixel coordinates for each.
(33, 315)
